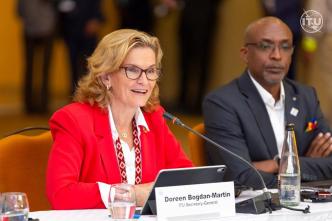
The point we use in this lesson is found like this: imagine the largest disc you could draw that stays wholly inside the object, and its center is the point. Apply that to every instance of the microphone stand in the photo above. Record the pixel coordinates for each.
(266, 202)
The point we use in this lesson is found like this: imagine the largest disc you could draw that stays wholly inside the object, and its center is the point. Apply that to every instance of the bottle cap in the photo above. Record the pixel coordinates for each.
(290, 126)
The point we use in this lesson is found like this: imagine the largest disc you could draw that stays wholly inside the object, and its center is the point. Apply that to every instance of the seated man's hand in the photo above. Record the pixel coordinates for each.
(268, 166)
(321, 146)
(142, 193)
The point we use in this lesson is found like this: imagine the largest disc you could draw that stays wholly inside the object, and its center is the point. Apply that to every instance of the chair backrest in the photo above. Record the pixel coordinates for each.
(23, 162)
(196, 146)
(28, 129)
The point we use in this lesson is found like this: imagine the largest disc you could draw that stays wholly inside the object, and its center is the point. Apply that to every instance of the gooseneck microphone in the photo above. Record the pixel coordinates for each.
(177, 121)
(259, 204)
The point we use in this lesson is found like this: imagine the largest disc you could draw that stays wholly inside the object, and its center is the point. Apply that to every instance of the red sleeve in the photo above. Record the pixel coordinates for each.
(64, 190)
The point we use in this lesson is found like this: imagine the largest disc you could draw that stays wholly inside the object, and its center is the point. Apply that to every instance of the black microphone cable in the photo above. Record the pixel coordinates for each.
(305, 210)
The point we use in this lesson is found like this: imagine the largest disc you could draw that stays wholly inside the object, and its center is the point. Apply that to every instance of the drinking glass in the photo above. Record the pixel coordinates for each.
(15, 207)
(121, 201)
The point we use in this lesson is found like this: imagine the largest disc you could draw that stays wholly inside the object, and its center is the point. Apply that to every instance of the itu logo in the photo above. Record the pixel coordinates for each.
(311, 21)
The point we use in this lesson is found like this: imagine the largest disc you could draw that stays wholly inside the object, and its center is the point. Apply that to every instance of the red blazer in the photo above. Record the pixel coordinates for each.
(83, 154)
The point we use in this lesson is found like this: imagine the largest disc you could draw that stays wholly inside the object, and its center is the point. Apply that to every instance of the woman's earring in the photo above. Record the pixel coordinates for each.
(108, 87)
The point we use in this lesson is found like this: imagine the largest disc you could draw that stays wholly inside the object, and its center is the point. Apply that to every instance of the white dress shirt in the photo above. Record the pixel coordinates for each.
(129, 153)
(276, 111)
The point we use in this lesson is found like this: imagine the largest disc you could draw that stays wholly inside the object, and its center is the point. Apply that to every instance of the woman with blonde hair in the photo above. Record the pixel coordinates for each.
(114, 132)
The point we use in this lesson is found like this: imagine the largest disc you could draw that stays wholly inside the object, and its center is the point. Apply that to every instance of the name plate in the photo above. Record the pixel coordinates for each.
(210, 200)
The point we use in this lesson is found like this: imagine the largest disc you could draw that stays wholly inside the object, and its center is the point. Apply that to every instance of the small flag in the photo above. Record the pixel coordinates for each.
(312, 125)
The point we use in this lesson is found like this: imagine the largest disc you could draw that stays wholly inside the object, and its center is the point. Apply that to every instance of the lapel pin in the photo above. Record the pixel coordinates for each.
(294, 111)
(294, 98)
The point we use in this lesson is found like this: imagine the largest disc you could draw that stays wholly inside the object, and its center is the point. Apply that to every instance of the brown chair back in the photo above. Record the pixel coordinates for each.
(23, 162)
(196, 146)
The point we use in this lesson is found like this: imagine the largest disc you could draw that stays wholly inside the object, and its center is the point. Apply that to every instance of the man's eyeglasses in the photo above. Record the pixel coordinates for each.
(133, 72)
(269, 47)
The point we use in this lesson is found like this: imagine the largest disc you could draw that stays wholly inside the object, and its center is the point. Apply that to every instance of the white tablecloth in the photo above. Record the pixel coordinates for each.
(319, 212)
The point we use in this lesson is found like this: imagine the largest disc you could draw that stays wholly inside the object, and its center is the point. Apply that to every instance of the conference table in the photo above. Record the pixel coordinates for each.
(318, 211)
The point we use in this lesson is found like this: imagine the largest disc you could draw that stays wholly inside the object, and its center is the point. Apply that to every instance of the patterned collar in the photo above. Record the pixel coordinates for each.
(139, 117)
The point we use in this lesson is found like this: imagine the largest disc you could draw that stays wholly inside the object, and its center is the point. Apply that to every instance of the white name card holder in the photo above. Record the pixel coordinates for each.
(195, 202)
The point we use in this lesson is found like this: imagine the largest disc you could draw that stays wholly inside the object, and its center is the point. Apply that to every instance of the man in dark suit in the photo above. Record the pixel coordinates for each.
(136, 14)
(197, 27)
(248, 116)
(79, 21)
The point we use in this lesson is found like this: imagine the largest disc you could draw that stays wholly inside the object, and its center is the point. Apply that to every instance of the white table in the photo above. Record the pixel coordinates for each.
(319, 212)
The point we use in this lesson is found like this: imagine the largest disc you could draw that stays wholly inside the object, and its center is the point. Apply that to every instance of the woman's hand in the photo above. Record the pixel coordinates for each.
(142, 192)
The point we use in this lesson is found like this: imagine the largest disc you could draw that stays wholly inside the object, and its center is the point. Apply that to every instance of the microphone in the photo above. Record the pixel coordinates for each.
(266, 202)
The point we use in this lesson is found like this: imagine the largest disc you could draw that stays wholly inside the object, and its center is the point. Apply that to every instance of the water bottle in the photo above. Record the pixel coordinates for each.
(289, 170)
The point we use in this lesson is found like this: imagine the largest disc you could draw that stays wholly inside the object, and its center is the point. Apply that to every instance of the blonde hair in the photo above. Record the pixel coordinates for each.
(107, 58)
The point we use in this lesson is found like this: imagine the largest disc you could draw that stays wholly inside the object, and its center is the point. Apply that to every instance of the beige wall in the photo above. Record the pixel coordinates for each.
(12, 63)
(10, 58)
